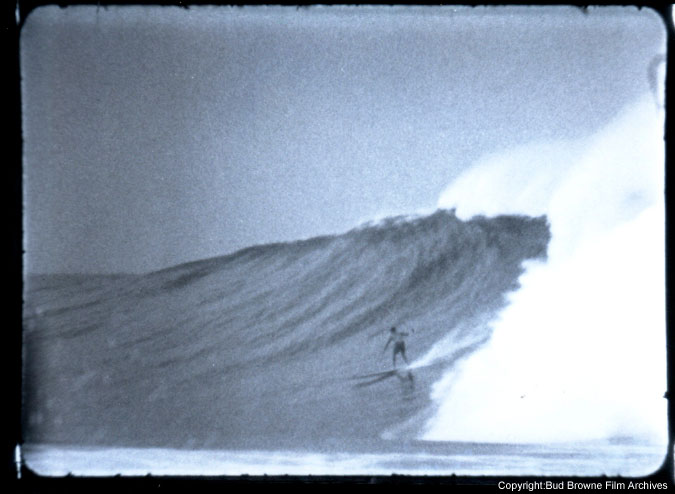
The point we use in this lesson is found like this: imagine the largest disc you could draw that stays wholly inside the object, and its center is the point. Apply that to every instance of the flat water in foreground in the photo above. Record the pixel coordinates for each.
(437, 459)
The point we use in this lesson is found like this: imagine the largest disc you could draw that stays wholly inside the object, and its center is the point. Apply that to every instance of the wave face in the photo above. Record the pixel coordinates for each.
(259, 348)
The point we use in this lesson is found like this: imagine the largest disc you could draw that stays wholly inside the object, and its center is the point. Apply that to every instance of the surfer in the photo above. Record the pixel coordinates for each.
(398, 337)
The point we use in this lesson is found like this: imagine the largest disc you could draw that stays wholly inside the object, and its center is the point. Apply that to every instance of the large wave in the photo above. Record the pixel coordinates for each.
(538, 308)
(579, 352)
(259, 348)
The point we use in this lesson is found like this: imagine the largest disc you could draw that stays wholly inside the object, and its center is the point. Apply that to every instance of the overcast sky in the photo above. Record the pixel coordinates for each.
(155, 136)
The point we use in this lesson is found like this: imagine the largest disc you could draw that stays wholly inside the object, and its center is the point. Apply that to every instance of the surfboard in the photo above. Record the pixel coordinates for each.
(381, 376)
(401, 370)
(376, 374)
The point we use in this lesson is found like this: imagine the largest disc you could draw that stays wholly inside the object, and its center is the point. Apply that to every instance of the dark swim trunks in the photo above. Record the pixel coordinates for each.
(399, 347)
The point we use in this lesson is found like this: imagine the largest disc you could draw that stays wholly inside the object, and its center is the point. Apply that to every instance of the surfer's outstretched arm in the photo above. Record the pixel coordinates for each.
(385, 346)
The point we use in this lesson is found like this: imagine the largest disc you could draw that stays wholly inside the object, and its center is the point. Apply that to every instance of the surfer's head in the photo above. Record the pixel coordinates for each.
(393, 329)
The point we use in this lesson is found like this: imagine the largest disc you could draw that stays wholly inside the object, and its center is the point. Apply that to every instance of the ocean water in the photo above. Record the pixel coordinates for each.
(521, 315)
(438, 459)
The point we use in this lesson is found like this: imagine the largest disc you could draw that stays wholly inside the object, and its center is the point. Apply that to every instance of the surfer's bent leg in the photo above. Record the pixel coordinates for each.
(402, 350)
(399, 347)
